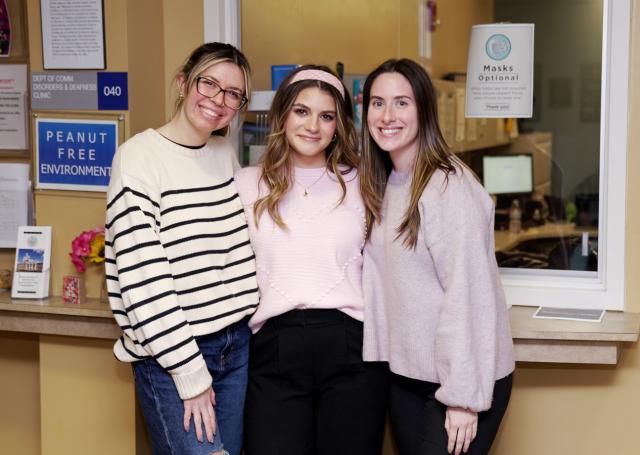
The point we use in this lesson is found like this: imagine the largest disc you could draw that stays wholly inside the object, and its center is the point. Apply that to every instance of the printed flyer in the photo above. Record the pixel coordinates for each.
(33, 263)
(500, 71)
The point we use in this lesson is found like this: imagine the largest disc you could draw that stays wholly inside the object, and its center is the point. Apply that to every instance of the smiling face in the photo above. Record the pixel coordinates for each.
(310, 126)
(204, 115)
(392, 117)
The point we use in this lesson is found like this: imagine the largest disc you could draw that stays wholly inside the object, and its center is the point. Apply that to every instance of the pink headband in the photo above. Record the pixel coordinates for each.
(319, 75)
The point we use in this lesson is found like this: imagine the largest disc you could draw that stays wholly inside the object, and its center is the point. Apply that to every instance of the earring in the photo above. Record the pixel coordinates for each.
(180, 96)
(335, 136)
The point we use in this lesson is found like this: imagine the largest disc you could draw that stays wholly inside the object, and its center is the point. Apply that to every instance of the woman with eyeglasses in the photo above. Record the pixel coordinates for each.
(309, 390)
(180, 269)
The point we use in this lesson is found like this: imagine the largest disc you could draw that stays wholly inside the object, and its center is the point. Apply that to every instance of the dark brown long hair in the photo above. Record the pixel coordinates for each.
(341, 154)
(432, 153)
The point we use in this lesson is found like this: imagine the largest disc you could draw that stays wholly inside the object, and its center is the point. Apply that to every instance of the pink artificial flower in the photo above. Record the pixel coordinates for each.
(81, 248)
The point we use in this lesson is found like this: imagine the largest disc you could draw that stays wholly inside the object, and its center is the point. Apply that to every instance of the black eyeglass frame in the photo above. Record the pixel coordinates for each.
(220, 89)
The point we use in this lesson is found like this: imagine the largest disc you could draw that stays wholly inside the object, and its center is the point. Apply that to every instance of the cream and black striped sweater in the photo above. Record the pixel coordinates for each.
(178, 259)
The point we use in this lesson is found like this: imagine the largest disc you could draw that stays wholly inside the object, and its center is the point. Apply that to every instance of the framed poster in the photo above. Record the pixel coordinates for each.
(72, 34)
(75, 153)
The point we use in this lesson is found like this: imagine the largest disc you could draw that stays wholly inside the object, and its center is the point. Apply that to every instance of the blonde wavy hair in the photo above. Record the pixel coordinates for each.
(341, 154)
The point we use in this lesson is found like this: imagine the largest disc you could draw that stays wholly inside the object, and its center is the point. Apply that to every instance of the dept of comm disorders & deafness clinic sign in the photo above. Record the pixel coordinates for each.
(75, 154)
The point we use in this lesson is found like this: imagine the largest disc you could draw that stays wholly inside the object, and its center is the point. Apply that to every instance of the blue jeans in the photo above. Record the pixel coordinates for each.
(227, 355)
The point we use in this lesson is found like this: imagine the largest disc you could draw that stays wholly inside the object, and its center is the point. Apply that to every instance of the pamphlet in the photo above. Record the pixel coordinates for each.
(33, 263)
(570, 314)
(16, 201)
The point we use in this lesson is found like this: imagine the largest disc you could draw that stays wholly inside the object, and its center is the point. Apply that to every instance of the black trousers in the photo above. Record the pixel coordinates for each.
(309, 391)
(417, 418)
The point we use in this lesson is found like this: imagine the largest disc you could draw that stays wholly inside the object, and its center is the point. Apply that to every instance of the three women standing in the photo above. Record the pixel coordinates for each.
(182, 276)
(180, 269)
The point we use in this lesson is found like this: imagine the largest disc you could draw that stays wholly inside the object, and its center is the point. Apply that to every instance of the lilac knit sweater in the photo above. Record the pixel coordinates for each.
(317, 261)
(438, 313)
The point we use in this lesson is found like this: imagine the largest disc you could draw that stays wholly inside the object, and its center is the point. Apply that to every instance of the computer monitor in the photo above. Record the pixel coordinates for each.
(507, 174)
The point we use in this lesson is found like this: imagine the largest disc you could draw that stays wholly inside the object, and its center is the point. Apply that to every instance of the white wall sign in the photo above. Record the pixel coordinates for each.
(13, 113)
(500, 71)
(72, 34)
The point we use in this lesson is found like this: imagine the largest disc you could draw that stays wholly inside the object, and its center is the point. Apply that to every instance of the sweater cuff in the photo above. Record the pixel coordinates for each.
(476, 402)
(194, 383)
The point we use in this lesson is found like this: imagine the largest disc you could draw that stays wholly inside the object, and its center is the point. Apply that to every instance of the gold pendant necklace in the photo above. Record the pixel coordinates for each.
(307, 188)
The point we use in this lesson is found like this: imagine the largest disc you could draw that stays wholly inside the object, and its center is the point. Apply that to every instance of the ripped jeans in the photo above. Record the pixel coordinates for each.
(227, 355)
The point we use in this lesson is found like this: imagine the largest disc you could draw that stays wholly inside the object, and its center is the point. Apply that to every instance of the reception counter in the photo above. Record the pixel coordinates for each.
(535, 340)
(86, 397)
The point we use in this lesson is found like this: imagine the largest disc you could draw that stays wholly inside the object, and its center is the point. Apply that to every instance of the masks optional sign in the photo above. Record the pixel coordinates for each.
(500, 71)
(75, 154)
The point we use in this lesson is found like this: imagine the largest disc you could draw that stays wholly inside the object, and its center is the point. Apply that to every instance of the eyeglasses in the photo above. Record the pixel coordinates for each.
(233, 99)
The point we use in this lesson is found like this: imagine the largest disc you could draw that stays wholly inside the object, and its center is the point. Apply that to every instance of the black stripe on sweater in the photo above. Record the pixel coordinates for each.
(204, 253)
(137, 247)
(128, 231)
(200, 204)
(213, 267)
(174, 348)
(126, 189)
(155, 317)
(195, 190)
(163, 333)
(131, 353)
(201, 220)
(183, 362)
(140, 264)
(219, 299)
(216, 284)
(139, 284)
(224, 315)
(128, 210)
(153, 298)
(206, 236)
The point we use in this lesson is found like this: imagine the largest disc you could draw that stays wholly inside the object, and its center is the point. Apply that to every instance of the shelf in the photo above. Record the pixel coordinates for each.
(92, 319)
(558, 341)
(535, 340)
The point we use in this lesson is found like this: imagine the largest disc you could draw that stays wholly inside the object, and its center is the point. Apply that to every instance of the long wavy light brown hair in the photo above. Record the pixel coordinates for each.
(205, 56)
(432, 153)
(277, 166)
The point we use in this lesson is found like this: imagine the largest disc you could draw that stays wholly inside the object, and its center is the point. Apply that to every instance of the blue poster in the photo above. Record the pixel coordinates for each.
(75, 154)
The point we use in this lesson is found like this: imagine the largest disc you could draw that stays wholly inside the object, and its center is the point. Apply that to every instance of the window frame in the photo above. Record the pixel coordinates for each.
(605, 288)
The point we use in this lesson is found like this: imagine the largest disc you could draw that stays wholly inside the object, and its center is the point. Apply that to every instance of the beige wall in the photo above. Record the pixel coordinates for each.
(451, 38)
(19, 394)
(359, 33)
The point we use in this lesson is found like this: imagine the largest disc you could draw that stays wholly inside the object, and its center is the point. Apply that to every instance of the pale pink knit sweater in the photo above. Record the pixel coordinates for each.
(317, 261)
(438, 313)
